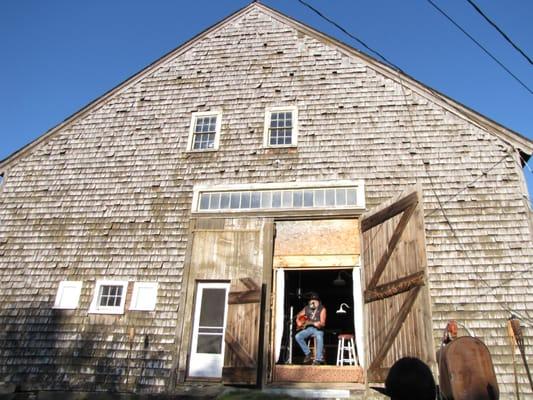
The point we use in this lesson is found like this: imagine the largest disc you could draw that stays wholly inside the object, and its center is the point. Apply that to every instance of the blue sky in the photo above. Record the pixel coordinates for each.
(58, 55)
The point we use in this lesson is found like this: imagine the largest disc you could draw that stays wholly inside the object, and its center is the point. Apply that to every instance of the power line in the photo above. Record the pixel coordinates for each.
(506, 37)
(502, 303)
(468, 185)
(351, 35)
(441, 204)
(479, 45)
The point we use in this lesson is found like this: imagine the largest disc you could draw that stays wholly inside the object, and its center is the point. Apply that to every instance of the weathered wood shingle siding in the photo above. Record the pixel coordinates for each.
(109, 196)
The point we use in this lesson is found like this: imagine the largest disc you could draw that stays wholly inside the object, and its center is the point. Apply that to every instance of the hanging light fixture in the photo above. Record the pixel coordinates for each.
(339, 281)
(342, 310)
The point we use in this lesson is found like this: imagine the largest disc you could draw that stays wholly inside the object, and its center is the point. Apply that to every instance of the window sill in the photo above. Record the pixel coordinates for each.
(110, 312)
(201, 151)
(281, 146)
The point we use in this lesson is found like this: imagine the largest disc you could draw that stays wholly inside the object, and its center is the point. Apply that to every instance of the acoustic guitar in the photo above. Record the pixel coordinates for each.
(302, 322)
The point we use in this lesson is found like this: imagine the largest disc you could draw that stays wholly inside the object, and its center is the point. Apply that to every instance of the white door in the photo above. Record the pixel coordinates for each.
(210, 313)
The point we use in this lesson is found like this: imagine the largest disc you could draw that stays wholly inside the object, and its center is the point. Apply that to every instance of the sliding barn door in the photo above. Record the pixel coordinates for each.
(396, 296)
(242, 332)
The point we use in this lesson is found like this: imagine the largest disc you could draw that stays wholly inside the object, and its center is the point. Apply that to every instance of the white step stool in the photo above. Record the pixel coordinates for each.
(346, 344)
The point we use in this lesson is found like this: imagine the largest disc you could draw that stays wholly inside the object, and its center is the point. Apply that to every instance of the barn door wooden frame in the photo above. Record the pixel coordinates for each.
(397, 311)
(239, 251)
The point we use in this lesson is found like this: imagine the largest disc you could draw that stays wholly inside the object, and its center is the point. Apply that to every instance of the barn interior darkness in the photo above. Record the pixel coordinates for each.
(334, 286)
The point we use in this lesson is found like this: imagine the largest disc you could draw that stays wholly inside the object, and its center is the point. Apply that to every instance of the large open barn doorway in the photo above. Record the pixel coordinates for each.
(340, 293)
(319, 256)
(335, 288)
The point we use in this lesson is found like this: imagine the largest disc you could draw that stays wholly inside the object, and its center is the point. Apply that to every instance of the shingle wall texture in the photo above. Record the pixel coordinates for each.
(109, 196)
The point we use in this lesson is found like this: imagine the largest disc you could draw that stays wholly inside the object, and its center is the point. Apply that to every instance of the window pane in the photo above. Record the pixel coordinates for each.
(297, 198)
(224, 201)
(214, 203)
(235, 200)
(351, 197)
(266, 200)
(280, 128)
(276, 199)
(256, 200)
(308, 198)
(319, 198)
(245, 200)
(203, 329)
(110, 295)
(330, 197)
(204, 133)
(341, 197)
(212, 308)
(204, 201)
(210, 344)
(287, 199)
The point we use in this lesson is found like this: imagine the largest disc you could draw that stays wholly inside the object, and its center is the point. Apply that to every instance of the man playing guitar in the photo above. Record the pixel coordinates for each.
(310, 322)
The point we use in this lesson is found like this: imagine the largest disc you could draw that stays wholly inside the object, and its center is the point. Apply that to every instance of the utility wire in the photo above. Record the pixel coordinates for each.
(505, 36)
(502, 303)
(479, 45)
(505, 305)
(468, 185)
(351, 35)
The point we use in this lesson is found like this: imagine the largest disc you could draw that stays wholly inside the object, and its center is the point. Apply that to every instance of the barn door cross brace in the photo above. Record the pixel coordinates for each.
(395, 326)
(408, 206)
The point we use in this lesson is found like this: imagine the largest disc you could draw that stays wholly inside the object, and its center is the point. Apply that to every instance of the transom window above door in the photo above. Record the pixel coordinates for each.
(278, 197)
(204, 134)
(281, 127)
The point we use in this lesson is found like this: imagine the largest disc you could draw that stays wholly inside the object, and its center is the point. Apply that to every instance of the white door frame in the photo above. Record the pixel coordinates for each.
(207, 365)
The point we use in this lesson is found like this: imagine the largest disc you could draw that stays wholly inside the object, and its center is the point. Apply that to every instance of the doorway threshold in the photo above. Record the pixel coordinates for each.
(317, 390)
(318, 373)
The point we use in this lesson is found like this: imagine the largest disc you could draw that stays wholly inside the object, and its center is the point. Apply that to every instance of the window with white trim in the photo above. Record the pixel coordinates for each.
(144, 296)
(331, 195)
(281, 127)
(109, 297)
(68, 295)
(204, 133)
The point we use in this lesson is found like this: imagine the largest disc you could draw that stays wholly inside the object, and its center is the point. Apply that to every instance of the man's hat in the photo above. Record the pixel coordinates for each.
(312, 296)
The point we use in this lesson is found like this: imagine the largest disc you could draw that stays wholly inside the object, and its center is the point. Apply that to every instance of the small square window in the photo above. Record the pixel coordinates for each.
(281, 128)
(109, 297)
(68, 295)
(204, 134)
(144, 296)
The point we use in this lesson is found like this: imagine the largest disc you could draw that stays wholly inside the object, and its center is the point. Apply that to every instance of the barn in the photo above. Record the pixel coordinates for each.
(168, 232)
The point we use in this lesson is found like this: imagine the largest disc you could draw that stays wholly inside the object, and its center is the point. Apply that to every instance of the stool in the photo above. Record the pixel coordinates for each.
(346, 344)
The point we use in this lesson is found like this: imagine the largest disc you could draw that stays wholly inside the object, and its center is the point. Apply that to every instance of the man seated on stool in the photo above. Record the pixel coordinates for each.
(311, 322)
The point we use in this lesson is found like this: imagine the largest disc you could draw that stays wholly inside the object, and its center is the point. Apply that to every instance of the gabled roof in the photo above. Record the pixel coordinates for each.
(512, 138)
